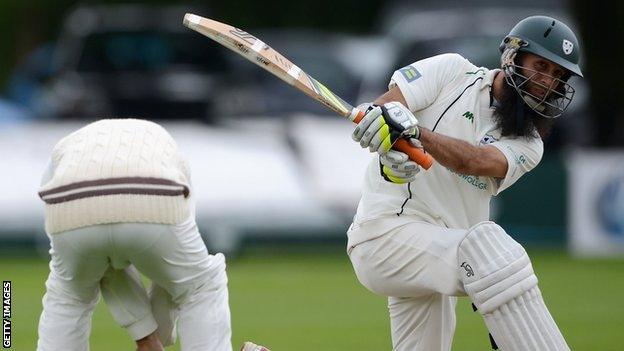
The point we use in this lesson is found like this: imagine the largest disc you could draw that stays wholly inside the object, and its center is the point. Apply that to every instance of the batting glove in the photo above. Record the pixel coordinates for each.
(396, 167)
(383, 125)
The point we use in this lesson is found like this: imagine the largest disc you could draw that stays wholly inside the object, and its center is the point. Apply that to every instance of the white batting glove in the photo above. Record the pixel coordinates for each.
(383, 125)
(396, 167)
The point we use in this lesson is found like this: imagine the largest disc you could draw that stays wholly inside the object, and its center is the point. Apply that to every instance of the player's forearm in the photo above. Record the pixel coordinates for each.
(455, 154)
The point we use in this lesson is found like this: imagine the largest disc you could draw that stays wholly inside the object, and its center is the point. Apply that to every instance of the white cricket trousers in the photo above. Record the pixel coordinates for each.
(415, 265)
(174, 257)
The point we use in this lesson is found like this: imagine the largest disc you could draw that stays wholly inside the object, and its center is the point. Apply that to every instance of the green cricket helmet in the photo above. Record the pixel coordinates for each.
(552, 40)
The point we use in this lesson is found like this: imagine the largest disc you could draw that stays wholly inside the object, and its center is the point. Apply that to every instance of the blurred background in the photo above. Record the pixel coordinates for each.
(276, 175)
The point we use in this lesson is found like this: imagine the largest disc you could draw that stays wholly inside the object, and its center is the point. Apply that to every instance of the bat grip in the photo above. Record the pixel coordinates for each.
(415, 154)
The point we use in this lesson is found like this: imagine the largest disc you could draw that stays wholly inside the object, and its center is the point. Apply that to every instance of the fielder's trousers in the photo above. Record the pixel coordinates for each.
(98, 258)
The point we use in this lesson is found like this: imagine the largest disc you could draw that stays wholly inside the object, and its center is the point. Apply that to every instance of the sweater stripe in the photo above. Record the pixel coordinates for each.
(114, 186)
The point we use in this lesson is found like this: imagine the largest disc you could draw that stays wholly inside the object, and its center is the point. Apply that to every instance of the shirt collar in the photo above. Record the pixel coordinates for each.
(488, 80)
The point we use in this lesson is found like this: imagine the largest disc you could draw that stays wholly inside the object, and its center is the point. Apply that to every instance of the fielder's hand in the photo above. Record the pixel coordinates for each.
(383, 125)
(396, 167)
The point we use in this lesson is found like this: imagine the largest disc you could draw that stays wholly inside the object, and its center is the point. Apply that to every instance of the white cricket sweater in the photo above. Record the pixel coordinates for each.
(111, 171)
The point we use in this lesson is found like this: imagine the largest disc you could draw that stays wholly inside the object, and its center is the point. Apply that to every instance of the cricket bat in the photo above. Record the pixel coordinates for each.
(256, 51)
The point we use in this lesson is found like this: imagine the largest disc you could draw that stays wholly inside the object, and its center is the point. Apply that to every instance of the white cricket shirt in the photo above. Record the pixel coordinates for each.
(451, 96)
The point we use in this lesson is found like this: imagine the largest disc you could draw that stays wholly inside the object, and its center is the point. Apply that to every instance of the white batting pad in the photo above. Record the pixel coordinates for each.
(499, 278)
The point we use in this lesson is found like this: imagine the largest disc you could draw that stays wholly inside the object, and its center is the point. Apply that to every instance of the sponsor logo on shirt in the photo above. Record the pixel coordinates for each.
(410, 73)
(520, 159)
(487, 139)
(472, 180)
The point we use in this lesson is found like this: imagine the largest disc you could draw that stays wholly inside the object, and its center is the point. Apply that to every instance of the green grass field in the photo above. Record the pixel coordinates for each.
(298, 301)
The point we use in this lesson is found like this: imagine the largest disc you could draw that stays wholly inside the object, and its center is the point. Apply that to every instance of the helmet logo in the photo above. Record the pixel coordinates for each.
(567, 47)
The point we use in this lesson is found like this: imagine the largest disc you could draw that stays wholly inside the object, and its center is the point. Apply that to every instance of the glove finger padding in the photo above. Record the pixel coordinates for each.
(397, 168)
(382, 141)
(394, 157)
(372, 113)
(397, 177)
(383, 125)
(399, 161)
(374, 135)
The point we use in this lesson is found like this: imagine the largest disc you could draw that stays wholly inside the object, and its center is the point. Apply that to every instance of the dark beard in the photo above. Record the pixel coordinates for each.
(529, 125)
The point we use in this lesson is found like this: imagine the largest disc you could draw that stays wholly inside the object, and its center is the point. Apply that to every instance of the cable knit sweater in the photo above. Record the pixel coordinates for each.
(110, 171)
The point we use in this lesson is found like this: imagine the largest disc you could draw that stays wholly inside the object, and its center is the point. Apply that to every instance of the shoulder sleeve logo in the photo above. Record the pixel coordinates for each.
(567, 47)
(410, 73)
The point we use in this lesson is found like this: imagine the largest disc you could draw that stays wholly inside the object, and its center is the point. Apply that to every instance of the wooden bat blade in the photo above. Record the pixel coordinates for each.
(256, 51)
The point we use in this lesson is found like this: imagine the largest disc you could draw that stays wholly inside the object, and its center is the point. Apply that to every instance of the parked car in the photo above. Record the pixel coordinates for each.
(134, 60)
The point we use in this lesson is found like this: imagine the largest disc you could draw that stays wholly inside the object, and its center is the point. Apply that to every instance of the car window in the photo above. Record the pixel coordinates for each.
(148, 51)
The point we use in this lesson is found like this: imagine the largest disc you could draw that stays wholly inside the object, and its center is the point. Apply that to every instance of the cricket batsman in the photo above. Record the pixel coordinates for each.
(424, 238)
(117, 196)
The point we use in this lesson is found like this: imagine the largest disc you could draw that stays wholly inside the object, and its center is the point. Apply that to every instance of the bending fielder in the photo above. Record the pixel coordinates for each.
(423, 238)
(117, 196)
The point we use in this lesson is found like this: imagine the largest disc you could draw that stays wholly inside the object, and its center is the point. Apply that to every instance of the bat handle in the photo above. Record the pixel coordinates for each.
(415, 154)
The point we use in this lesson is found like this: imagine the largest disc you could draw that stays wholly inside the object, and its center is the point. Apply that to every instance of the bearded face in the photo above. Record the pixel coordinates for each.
(541, 84)
(515, 118)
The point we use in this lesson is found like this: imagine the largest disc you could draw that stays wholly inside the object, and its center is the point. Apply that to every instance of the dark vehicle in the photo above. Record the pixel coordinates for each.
(132, 60)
